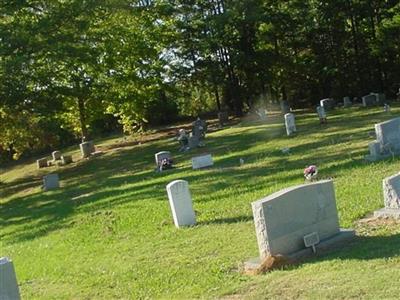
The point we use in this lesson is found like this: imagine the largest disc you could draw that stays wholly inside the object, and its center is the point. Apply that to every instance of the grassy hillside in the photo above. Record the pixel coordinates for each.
(108, 231)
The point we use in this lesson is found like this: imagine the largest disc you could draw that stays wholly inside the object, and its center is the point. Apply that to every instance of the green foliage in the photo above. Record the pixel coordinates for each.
(144, 62)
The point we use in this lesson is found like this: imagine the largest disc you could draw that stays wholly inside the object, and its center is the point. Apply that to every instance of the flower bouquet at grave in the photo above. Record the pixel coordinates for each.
(311, 172)
(165, 164)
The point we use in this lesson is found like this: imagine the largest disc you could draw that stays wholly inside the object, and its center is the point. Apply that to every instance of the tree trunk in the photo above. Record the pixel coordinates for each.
(82, 119)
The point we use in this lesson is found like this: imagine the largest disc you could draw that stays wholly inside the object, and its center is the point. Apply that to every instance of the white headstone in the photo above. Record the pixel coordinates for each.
(290, 123)
(202, 161)
(51, 182)
(8, 280)
(180, 202)
(159, 156)
(284, 218)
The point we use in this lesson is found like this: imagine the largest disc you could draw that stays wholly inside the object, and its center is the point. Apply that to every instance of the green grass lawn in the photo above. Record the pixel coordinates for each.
(108, 233)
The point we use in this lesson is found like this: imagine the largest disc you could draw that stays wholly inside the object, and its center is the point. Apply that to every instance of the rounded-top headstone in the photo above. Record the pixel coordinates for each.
(180, 202)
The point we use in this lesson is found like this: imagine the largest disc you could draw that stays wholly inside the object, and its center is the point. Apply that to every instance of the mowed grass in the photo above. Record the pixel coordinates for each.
(107, 233)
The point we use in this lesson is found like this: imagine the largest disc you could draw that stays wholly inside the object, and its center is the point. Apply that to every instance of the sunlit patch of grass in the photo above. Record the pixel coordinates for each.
(108, 232)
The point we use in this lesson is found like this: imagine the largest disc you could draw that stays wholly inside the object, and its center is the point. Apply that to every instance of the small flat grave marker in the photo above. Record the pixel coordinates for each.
(202, 161)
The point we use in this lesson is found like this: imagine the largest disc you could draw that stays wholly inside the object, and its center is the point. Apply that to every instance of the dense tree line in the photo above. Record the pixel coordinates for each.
(76, 68)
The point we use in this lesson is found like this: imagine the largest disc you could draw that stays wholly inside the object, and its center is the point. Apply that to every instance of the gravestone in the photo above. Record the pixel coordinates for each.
(284, 219)
(66, 159)
(51, 182)
(56, 155)
(327, 104)
(347, 102)
(180, 202)
(391, 197)
(223, 117)
(159, 156)
(388, 138)
(285, 108)
(369, 100)
(321, 114)
(262, 114)
(202, 161)
(87, 148)
(380, 98)
(8, 280)
(290, 123)
(42, 163)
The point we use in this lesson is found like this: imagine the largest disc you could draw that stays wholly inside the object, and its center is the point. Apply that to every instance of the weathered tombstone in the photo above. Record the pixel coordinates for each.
(347, 102)
(321, 115)
(202, 161)
(285, 220)
(369, 100)
(8, 280)
(391, 197)
(56, 155)
(285, 108)
(386, 108)
(199, 128)
(66, 159)
(223, 117)
(290, 123)
(42, 163)
(87, 148)
(51, 182)
(180, 202)
(159, 156)
(388, 138)
(327, 104)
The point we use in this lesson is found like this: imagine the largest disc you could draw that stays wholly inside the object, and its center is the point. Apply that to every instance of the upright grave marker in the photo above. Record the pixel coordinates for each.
(42, 163)
(51, 182)
(223, 117)
(321, 115)
(289, 221)
(327, 104)
(391, 197)
(180, 202)
(66, 159)
(56, 155)
(8, 280)
(347, 102)
(369, 100)
(87, 148)
(290, 123)
(387, 140)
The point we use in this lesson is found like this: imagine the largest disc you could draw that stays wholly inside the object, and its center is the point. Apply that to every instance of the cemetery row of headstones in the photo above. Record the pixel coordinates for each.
(87, 150)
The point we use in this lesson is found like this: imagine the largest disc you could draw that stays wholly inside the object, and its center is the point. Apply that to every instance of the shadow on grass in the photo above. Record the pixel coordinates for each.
(103, 178)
